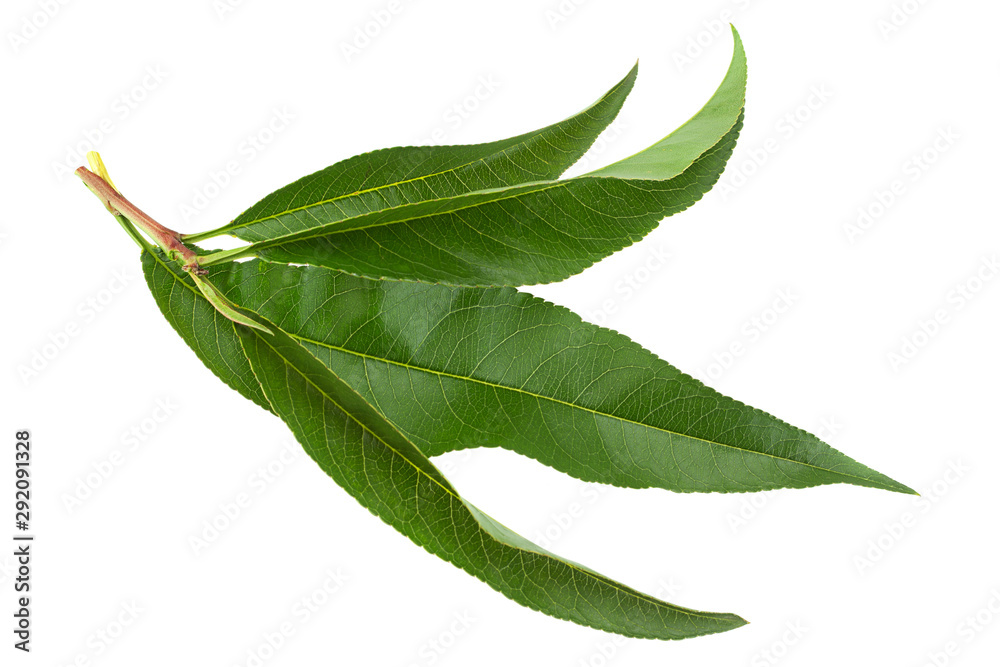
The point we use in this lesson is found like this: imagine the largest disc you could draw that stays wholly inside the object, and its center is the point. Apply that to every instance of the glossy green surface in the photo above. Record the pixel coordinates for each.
(522, 235)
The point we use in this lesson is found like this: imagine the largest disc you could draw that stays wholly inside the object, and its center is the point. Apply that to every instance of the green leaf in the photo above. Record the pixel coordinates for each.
(524, 234)
(456, 367)
(394, 177)
(388, 475)
(207, 331)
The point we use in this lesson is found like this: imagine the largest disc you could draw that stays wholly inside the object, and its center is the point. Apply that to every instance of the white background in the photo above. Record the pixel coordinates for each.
(835, 563)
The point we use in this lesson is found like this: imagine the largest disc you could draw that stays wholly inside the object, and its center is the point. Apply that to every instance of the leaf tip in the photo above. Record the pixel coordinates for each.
(888, 484)
(225, 307)
(727, 622)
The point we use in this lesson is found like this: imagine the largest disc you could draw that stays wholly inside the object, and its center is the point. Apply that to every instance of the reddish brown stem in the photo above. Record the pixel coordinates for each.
(167, 239)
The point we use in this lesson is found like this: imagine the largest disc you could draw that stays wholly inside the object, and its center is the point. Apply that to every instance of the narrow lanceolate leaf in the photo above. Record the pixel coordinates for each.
(531, 233)
(398, 176)
(524, 235)
(387, 474)
(457, 367)
(204, 328)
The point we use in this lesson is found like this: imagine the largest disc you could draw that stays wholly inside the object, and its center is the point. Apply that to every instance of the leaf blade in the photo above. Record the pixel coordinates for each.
(490, 242)
(512, 370)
